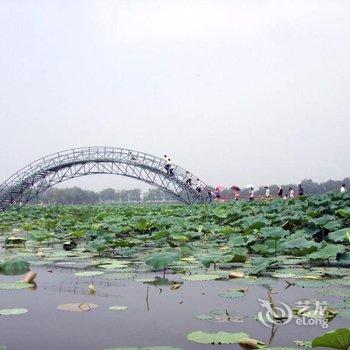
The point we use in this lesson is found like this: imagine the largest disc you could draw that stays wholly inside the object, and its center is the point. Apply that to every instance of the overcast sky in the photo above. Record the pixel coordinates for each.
(235, 91)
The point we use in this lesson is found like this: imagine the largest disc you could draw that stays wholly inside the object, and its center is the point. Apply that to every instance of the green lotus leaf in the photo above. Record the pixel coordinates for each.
(14, 267)
(217, 338)
(274, 232)
(117, 308)
(261, 264)
(199, 277)
(15, 285)
(237, 241)
(40, 236)
(232, 293)
(281, 348)
(340, 236)
(162, 260)
(10, 312)
(120, 276)
(345, 213)
(144, 348)
(337, 339)
(251, 223)
(207, 260)
(88, 273)
(328, 252)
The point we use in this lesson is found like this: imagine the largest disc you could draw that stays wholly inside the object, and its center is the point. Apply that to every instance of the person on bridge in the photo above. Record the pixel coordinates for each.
(168, 166)
(280, 192)
(251, 194)
(217, 194)
(188, 179)
(291, 192)
(198, 187)
(210, 196)
(300, 190)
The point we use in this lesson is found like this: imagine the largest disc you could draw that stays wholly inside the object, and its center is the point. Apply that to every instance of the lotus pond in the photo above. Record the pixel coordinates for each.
(267, 274)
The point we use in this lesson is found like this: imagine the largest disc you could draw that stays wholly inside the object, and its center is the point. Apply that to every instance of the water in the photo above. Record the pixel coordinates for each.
(165, 319)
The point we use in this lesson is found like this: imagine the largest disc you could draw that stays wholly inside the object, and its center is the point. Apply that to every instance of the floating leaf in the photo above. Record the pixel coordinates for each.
(117, 308)
(120, 276)
(114, 265)
(10, 312)
(145, 348)
(232, 293)
(217, 338)
(77, 307)
(88, 273)
(202, 277)
(15, 285)
(220, 316)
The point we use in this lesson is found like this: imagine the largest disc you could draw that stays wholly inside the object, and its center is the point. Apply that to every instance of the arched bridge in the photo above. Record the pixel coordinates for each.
(61, 166)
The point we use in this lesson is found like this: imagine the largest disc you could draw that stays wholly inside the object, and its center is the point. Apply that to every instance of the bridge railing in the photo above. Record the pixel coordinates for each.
(95, 154)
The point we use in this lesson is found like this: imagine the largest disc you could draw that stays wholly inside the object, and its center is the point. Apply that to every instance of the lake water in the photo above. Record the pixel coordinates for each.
(156, 315)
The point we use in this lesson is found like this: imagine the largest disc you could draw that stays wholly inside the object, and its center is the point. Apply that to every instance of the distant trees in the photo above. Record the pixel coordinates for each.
(76, 195)
(107, 195)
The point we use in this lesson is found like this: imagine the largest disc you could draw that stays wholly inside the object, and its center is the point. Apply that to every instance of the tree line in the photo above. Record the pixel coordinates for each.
(76, 195)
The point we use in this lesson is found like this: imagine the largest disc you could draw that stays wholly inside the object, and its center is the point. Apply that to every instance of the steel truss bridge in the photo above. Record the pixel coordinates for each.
(48, 171)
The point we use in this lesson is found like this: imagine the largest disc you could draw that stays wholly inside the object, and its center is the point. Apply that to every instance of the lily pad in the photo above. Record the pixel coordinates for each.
(146, 348)
(202, 277)
(15, 285)
(120, 276)
(232, 293)
(77, 307)
(89, 273)
(217, 338)
(220, 316)
(117, 308)
(10, 312)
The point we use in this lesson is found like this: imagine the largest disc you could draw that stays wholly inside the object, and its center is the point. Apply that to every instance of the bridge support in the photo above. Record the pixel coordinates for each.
(46, 172)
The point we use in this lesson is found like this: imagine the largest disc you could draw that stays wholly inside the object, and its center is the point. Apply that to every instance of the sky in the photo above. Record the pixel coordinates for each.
(236, 92)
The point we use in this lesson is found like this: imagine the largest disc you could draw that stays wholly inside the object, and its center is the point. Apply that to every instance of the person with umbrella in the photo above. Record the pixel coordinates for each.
(217, 192)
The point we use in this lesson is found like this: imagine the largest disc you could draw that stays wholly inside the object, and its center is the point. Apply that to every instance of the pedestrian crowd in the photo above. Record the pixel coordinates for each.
(216, 194)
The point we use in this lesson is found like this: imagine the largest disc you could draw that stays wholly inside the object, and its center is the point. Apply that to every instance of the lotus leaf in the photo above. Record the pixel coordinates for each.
(217, 338)
(337, 339)
(14, 267)
(10, 312)
(340, 236)
(162, 260)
